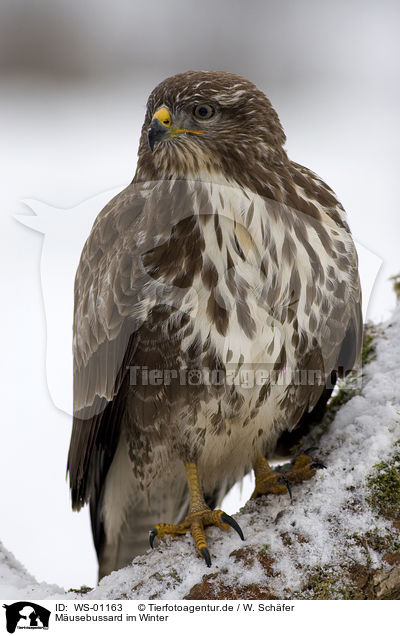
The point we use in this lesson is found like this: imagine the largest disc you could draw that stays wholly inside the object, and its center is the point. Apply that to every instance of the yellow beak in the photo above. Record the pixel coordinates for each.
(161, 127)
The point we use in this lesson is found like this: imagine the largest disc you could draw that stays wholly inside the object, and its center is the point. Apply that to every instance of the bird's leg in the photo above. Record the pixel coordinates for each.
(276, 482)
(199, 517)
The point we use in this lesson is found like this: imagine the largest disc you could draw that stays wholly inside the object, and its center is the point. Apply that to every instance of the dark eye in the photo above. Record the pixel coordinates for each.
(203, 111)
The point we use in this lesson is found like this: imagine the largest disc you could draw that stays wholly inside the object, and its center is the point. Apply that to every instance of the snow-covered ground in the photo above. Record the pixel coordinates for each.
(325, 528)
(15, 581)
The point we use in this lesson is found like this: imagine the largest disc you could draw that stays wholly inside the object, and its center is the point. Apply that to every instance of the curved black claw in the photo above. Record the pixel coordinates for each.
(317, 465)
(283, 480)
(153, 533)
(233, 524)
(206, 556)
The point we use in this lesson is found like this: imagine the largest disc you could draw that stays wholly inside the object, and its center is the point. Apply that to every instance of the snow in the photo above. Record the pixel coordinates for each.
(317, 530)
(15, 581)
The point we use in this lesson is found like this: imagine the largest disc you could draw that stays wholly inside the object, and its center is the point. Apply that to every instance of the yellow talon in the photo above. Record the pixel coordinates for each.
(267, 480)
(302, 469)
(270, 481)
(199, 517)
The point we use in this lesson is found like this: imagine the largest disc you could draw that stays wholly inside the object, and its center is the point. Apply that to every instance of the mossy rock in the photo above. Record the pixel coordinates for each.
(368, 352)
(384, 487)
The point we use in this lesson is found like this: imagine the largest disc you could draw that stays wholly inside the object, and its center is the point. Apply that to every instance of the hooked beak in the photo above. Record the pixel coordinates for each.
(161, 127)
(156, 132)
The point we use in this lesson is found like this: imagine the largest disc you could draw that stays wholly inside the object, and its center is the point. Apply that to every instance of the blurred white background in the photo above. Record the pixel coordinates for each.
(74, 83)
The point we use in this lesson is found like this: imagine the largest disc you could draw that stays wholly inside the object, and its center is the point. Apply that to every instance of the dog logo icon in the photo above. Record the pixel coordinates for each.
(26, 615)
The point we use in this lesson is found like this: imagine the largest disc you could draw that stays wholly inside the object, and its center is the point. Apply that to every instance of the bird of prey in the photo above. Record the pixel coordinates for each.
(216, 300)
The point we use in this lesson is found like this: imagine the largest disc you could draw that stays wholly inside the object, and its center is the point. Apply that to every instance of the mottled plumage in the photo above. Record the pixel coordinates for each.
(221, 255)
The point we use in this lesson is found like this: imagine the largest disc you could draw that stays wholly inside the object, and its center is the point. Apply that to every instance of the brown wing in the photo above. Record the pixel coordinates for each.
(114, 293)
(343, 329)
(103, 341)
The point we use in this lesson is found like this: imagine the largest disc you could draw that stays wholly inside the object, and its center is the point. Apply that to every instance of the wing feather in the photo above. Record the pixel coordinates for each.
(114, 294)
(104, 342)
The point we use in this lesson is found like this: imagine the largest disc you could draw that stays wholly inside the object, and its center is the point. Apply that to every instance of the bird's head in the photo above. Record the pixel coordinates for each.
(200, 124)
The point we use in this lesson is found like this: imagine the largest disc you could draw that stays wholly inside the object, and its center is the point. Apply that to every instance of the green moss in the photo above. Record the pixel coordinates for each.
(350, 592)
(368, 352)
(264, 550)
(82, 590)
(374, 540)
(384, 487)
(320, 585)
(326, 585)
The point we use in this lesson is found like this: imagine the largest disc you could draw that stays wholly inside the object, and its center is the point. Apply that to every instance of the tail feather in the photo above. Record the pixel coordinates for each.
(166, 502)
(132, 541)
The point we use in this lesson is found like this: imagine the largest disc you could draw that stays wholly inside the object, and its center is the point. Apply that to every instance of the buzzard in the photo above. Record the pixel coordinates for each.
(216, 300)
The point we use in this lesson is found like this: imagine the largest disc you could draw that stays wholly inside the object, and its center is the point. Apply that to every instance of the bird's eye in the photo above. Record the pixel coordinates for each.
(203, 111)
